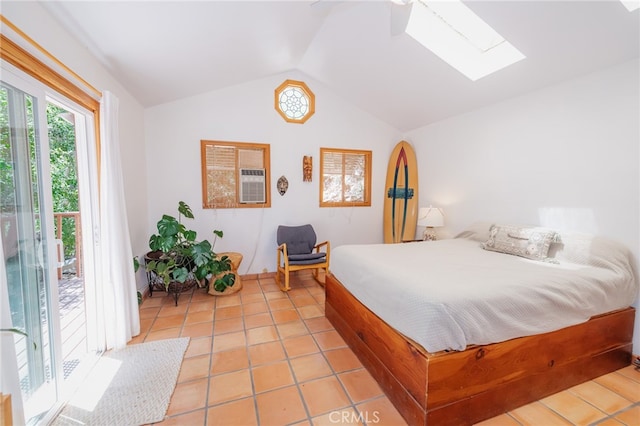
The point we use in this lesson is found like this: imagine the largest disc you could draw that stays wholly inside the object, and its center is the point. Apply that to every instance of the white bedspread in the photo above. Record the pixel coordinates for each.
(451, 293)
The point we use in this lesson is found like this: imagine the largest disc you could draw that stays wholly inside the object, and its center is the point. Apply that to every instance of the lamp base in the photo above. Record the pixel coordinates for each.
(429, 234)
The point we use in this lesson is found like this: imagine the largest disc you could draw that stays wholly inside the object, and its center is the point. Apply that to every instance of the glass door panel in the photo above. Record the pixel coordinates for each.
(27, 238)
(67, 141)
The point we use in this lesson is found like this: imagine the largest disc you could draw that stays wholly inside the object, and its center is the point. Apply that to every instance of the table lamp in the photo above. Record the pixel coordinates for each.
(430, 217)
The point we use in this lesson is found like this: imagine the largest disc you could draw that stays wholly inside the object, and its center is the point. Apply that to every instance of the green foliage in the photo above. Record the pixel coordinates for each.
(64, 176)
(185, 210)
(181, 255)
(6, 162)
(223, 282)
(201, 253)
(64, 172)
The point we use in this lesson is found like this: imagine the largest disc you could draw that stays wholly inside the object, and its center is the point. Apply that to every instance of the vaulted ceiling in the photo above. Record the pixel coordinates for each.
(166, 50)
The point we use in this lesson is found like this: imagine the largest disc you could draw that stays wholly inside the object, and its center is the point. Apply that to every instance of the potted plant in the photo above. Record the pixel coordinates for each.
(178, 260)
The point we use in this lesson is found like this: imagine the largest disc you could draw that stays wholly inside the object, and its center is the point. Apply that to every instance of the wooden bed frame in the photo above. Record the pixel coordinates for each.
(453, 388)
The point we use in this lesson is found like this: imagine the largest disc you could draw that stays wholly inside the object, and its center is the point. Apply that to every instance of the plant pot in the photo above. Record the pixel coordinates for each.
(178, 287)
(152, 255)
(156, 283)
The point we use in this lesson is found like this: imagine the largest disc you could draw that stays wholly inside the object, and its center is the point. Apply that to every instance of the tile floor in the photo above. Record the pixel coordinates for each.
(263, 357)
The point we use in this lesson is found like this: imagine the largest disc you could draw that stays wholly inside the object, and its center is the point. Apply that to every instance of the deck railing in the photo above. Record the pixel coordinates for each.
(58, 216)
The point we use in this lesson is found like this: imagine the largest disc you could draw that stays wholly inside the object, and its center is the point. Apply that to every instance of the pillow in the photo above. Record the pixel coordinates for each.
(530, 242)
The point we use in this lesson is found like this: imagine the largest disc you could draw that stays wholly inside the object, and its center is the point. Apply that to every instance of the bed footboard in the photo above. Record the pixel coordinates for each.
(483, 381)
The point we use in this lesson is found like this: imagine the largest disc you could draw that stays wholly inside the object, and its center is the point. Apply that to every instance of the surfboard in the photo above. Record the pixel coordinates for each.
(401, 195)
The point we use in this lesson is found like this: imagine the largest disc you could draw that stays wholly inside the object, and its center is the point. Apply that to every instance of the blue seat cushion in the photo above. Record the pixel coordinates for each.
(307, 261)
(308, 256)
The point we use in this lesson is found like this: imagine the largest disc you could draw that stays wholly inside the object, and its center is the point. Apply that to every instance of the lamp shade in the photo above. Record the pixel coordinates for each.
(431, 217)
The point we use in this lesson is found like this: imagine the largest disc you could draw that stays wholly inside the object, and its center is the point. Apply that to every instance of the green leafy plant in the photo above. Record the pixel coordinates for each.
(176, 254)
(136, 266)
(18, 331)
(14, 330)
(64, 174)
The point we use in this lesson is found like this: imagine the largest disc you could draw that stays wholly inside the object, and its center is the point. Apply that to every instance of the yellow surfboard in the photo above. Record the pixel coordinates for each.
(401, 195)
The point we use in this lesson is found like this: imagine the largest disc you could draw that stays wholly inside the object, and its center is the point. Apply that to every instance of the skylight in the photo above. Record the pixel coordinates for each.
(631, 5)
(457, 35)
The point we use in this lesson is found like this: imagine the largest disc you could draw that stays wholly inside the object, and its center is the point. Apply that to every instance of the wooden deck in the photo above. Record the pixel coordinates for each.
(72, 322)
(73, 329)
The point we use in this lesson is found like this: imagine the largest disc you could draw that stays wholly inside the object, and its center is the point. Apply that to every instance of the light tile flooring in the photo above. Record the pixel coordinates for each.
(263, 357)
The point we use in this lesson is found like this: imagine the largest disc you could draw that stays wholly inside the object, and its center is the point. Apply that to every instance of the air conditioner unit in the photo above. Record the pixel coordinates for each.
(252, 186)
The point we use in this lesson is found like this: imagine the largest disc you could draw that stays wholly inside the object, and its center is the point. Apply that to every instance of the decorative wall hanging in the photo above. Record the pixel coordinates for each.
(283, 185)
(294, 101)
(307, 168)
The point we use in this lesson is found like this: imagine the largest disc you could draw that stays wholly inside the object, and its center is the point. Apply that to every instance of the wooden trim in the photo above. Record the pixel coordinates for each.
(456, 388)
(31, 65)
(238, 145)
(6, 415)
(305, 89)
(367, 178)
(23, 60)
(203, 173)
(45, 52)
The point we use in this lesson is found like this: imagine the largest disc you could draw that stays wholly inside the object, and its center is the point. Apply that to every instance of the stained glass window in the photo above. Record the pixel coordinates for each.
(294, 101)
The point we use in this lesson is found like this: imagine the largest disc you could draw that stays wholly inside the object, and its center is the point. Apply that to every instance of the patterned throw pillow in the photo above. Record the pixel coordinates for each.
(530, 242)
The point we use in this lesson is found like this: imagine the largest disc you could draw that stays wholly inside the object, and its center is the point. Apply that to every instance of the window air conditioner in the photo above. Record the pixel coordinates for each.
(252, 186)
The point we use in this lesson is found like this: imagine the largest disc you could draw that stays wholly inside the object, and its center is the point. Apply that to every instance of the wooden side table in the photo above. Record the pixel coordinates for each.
(236, 259)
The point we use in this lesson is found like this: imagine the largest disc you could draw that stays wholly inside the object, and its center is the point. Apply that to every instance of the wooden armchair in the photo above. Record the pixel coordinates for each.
(297, 250)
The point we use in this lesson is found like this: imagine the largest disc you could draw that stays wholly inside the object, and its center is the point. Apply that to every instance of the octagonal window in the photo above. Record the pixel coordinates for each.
(294, 101)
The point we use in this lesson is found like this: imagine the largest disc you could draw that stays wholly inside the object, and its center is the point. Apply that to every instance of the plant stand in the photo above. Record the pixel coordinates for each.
(174, 288)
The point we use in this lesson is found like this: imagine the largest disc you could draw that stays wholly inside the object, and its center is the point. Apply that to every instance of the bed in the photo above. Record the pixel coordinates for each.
(455, 333)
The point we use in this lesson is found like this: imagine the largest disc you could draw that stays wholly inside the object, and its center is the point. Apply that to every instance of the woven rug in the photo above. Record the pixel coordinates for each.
(130, 386)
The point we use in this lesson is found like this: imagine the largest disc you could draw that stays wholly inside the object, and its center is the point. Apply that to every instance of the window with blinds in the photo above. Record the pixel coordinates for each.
(221, 179)
(345, 177)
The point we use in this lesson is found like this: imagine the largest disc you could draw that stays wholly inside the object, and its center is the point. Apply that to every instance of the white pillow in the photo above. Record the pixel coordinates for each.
(529, 242)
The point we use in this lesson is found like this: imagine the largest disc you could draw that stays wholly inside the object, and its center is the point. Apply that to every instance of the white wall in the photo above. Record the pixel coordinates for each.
(245, 113)
(35, 21)
(568, 152)
(565, 157)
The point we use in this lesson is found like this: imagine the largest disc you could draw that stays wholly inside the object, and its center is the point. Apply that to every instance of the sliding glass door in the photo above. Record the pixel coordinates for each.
(29, 243)
(47, 217)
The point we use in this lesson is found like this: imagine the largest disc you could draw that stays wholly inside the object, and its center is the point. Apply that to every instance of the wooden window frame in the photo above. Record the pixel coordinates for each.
(302, 86)
(367, 178)
(245, 145)
(34, 67)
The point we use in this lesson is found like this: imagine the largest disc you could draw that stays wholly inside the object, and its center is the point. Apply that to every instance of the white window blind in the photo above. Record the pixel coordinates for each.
(221, 162)
(345, 177)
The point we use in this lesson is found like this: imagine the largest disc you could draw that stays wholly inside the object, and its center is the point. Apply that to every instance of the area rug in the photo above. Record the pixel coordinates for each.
(130, 386)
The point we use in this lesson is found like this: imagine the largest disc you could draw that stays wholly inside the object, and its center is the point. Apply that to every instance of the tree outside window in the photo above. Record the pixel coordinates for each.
(345, 177)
